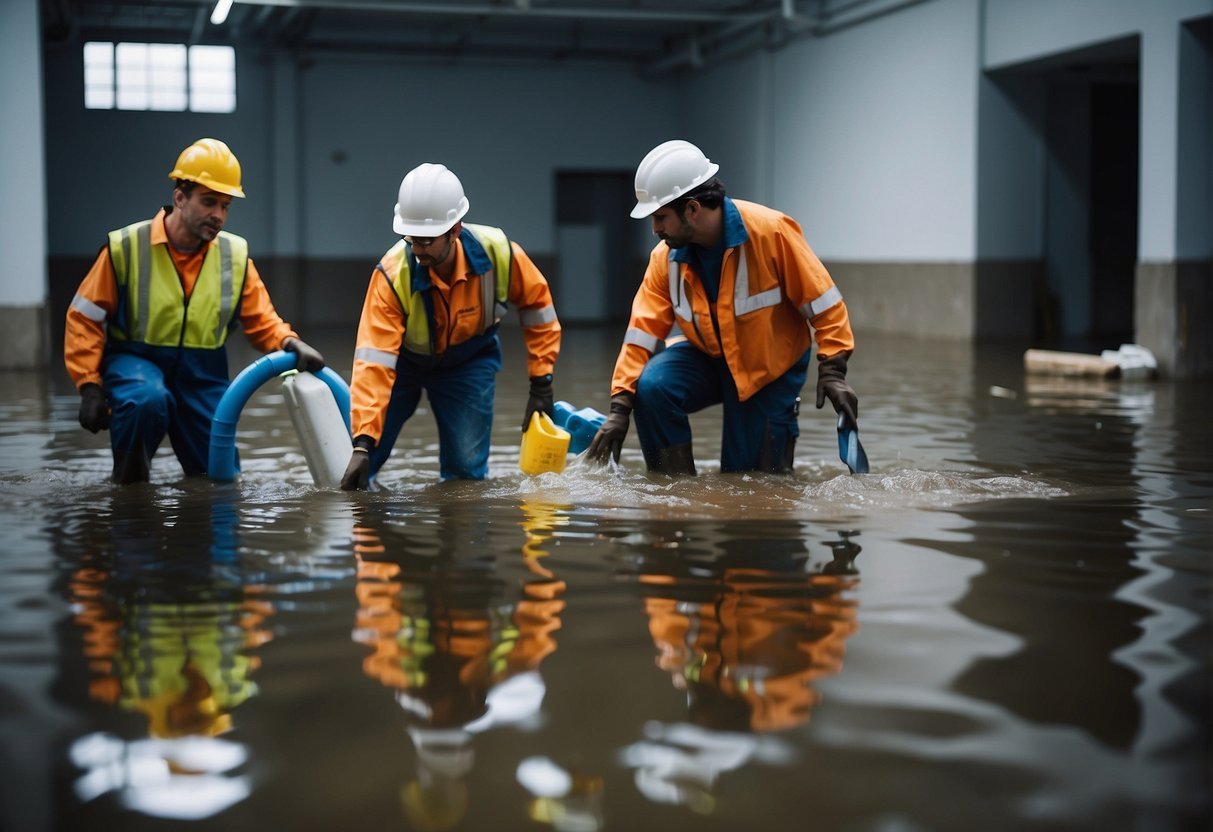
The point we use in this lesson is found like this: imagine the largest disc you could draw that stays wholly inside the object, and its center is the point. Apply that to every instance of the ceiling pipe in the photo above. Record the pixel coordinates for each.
(723, 42)
(521, 9)
(694, 54)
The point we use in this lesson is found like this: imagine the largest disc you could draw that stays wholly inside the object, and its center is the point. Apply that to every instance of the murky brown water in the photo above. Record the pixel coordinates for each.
(1006, 625)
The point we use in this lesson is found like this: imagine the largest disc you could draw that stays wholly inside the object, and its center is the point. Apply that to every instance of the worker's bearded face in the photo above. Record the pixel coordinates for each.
(672, 228)
(202, 212)
(435, 253)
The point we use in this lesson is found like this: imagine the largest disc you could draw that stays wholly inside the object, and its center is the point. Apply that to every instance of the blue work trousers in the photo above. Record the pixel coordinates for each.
(758, 434)
(147, 405)
(461, 397)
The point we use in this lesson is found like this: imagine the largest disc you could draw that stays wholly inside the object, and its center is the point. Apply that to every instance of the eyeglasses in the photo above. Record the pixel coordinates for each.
(422, 242)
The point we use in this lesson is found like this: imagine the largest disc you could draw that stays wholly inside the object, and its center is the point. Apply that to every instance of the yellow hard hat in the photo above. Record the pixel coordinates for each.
(210, 163)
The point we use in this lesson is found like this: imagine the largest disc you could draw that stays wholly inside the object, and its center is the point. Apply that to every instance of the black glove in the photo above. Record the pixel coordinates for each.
(309, 358)
(609, 439)
(832, 384)
(94, 413)
(539, 400)
(358, 473)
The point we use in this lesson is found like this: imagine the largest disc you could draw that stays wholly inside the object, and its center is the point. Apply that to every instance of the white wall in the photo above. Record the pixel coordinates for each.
(1011, 168)
(875, 136)
(503, 130)
(1023, 30)
(23, 209)
(727, 112)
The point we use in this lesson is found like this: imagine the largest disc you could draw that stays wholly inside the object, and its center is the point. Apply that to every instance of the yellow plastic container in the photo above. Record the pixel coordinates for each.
(544, 446)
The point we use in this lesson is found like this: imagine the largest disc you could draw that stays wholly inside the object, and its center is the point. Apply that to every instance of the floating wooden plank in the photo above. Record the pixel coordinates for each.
(1054, 363)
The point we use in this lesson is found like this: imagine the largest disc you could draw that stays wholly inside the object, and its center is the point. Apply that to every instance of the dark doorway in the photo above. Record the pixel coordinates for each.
(596, 246)
(1114, 200)
(1091, 197)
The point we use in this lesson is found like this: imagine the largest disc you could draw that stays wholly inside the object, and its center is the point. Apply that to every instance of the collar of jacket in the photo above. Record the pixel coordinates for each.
(477, 259)
(734, 232)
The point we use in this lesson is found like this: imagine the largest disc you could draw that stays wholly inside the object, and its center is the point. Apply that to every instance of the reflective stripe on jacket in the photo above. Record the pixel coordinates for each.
(153, 308)
(772, 290)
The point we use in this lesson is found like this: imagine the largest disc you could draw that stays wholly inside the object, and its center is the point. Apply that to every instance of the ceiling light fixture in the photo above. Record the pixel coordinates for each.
(220, 13)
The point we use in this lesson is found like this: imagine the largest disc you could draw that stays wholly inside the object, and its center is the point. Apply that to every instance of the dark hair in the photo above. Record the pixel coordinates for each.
(710, 195)
(185, 185)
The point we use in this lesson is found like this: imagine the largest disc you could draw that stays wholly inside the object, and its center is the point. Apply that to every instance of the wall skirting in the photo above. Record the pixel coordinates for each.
(960, 300)
(26, 340)
(987, 299)
(1172, 304)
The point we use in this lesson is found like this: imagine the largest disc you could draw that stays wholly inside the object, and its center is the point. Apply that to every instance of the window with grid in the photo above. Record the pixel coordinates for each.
(159, 76)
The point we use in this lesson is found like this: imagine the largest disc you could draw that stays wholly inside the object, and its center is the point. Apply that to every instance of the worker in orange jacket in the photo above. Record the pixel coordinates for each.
(749, 296)
(429, 322)
(146, 330)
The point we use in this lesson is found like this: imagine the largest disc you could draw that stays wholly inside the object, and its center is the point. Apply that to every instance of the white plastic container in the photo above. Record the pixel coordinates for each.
(322, 432)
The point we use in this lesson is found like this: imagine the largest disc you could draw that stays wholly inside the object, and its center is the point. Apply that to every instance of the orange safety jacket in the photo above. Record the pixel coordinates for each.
(97, 301)
(773, 290)
(754, 640)
(456, 315)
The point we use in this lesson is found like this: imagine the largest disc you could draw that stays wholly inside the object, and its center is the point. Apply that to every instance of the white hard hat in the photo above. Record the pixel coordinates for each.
(431, 200)
(670, 170)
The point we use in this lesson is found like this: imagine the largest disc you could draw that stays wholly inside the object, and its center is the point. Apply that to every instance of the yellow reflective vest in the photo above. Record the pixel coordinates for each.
(155, 310)
(489, 257)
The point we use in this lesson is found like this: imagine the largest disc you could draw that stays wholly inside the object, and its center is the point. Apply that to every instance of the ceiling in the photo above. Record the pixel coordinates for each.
(654, 36)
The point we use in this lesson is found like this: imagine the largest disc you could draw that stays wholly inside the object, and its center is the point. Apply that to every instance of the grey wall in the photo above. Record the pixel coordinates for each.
(502, 129)
(868, 136)
(1174, 275)
(107, 168)
(1194, 192)
(23, 211)
(909, 147)
(23, 284)
(1011, 166)
(1022, 31)
(324, 143)
(876, 135)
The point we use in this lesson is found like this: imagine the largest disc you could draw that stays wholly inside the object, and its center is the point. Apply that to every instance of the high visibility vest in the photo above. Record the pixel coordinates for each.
(155, 309)
(490, 255)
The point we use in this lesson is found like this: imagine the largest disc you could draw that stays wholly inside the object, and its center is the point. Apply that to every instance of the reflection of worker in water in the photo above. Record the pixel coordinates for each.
(169, 635)
(746, 644)
(183, 665)
(459, 657)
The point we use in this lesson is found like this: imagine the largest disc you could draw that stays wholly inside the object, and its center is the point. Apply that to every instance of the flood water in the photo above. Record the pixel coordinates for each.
(1004, 626)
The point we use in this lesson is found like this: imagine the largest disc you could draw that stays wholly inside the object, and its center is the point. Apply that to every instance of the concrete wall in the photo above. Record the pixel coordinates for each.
(23, 284)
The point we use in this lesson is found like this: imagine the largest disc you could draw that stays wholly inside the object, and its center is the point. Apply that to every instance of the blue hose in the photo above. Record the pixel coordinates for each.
(221, 462)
